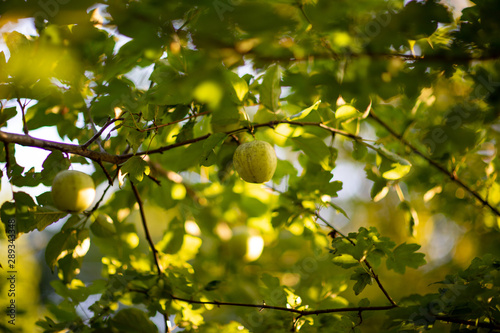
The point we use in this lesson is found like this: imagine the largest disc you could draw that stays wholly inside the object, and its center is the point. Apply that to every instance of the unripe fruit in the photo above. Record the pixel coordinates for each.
(73, 191)
(255, 161)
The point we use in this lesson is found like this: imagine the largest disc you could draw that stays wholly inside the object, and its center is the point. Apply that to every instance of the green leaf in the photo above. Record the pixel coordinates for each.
(345, 261)
(24, 217)
(362, 279)
(366, 244)
(103, 226)
(225, 115)
(45, 216)
(68, 250)
(281, 216)
(379, 190)
(410, 216)
(53, 164)
(337, 208)
(173, 238)
(3, 71)
(270, 89)
(239, 85)
(6, 114)
(393, 166)
(392, 156)
(209, 92)
(183, 158)
(133, 320)
(393, 171)
(346, 113)
(364, 302)
(304, 113)
(404, 256)
(136, 168)
(208, 156)
(359, 150)
(317, 151)
(59, 245)
(274, 293)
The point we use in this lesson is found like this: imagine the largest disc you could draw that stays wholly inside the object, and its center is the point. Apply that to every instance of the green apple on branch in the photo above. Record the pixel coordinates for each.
(255, 161)
(73, 191)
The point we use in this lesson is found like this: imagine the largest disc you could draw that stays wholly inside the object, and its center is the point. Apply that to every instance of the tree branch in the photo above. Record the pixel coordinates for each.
(436, 165)
(98, 156)
(467, 322)
(302, 313)
(29, 141)
(280, 308)
(455, 59)
(81, 150)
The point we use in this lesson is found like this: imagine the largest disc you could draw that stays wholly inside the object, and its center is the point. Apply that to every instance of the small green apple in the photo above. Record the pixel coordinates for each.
(73, 191)
(255, 161)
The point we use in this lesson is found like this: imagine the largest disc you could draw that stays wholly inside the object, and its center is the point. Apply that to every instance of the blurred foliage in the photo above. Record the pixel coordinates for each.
(384, 116)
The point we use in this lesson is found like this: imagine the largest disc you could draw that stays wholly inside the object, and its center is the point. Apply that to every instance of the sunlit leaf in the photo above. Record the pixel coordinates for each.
(405, 256)
(346, 113)
(136, 168)
(239, 85)
(209, 92)
(304, 113)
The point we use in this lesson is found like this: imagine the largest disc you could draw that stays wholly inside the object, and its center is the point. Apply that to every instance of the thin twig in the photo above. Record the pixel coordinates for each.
(155, 127)
(303, 12)
(98, 203)
(452, 175)
(23, 113)
(7, 157)
(145, 227)
(106, 173)
(150, 241)
(98, 133)
(379, 283)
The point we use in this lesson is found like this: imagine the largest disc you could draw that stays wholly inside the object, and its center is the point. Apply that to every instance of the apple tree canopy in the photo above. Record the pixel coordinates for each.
(382, 216)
